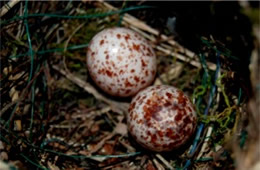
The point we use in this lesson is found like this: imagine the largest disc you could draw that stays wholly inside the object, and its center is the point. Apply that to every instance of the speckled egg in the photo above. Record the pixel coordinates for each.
(161, 118)
(120, 61)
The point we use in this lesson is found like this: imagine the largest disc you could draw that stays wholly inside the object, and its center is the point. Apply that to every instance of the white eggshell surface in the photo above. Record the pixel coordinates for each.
(120, 61)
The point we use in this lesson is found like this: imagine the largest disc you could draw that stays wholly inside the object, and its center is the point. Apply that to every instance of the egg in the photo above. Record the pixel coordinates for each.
(120, 61)
(161, 118)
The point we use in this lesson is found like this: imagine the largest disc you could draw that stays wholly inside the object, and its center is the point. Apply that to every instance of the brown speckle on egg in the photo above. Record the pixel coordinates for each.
(163, 119)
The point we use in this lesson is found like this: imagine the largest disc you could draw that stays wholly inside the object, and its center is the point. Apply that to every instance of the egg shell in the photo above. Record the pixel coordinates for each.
(120, 61)
(161, 118)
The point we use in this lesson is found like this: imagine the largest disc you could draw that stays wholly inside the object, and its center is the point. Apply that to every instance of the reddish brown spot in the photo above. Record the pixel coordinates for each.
(126, 65)
(182, 99)
(136, 47)
(148, 123)
(109, 73)
(178, 117)
(109, 88)
(144, 97)
(127, 91)
(143, 82)
(121, 72)
(100, 71)
(138, 98)
(143, 63)
(135, 117)
(101, 42)
(107, 57)
(136, 79)
(167, 103)
(170, 133)
(127, 83)
(160, 133)
(132, 71)
(93, 53)
(127, 37)
(132, 106)
(107, 62)
(146, 73)
(153, 72)
(105, 52)
(189, 109)
(118, 36)
(187, 120)
(169, 95)
(153, 138)
(140, 121)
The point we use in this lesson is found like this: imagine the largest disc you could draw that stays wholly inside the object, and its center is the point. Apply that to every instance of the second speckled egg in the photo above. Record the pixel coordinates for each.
(120, 61)
(161, 118)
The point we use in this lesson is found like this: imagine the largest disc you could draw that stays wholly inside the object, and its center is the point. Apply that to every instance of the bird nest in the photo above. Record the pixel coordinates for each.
(54, 117)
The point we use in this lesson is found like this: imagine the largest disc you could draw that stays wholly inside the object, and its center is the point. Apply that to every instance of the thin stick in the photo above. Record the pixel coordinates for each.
(157, 164)
(8, 6)
(205, 143)
(164, 161)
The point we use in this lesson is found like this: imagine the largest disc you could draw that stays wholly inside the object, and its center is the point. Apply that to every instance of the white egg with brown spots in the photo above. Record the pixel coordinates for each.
(120, 61)
(161, 118)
